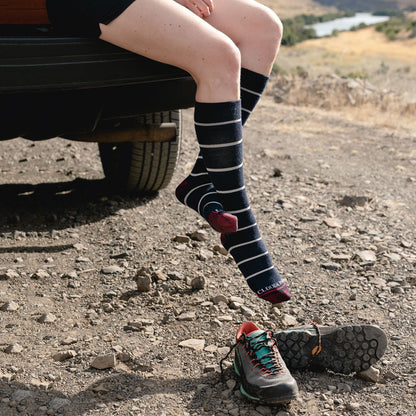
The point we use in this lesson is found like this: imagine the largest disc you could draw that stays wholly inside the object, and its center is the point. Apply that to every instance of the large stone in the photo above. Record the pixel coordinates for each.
(9, 274)
(21, 395)
(64, 355)
(58, 403)
(113, 269)
(103, 362)
(193, 344)
(10, 307)
(371, 374)
(47, 318)
(366, 256)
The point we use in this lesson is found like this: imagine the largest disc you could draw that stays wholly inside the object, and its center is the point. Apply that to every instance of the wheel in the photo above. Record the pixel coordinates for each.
(136, 167)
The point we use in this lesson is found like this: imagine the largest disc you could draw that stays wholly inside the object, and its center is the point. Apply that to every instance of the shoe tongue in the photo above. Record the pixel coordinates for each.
(261, 336)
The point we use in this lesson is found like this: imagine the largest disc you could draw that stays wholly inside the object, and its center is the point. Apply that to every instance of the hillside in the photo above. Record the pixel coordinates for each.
(318, 7)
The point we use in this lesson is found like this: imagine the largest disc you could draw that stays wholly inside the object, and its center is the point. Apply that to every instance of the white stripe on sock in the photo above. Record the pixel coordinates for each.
(252, 258)
(220, 123)
(192, 190)
(231, 191)
(226, 169)
(243, 244)
(199, 174)
(251, 91)
(216, 146)
(262, 271)
(245, 109)
(246, 228)
(208, 203)
(202, 197)
(239, 211)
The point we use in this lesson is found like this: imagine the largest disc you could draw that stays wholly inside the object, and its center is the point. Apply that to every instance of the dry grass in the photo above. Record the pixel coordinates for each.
(292, 8)
(364, 43)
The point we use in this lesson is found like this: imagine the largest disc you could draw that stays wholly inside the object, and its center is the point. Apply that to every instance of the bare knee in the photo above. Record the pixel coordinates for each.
(217, 70)
(270, 32)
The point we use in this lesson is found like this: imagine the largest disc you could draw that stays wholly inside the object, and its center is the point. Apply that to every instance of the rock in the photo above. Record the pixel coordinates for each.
(200, 235)
(198, 282)
(371, 374)
(231, 383)
(247, 312)
(47, 318)
(7, 377)
(40, 274)
(219, 298)
(70, 275)
(366, 256)
(394, 257)
(352, 406)
(354, 201)
(205, 254)
(333, 222)
(103, 362)
(220, 249)
(159, 276)
(341, 257)
(14, 349)
(143, 280)
(193, 344)
(107, 307)
(58, 403)
(288, 320)
(113, 269)
(9, 274)
(331, 266)
(10, 307)
(182, 239)
(20, 396)
(186, 316)
(39, 384)
(78, 247)
(64, 355)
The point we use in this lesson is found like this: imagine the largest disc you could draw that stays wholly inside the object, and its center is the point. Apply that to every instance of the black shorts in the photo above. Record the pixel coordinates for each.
(81, 17)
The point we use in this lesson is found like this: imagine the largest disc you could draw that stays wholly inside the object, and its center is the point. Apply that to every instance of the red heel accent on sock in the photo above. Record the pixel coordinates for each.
(223, 222)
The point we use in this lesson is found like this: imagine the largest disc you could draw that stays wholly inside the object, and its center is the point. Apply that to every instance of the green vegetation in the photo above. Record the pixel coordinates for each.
(295, 31)
(391, 13)
(397, 25)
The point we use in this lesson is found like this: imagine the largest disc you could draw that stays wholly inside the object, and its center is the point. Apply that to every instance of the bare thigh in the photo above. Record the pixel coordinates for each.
(167, 32)
(254, 28)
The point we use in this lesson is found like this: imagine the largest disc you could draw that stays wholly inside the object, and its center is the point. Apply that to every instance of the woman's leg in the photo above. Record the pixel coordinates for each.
(165, 31)
(257, 31)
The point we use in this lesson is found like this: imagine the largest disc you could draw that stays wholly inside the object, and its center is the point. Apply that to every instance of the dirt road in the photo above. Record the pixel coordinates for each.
(328, 191)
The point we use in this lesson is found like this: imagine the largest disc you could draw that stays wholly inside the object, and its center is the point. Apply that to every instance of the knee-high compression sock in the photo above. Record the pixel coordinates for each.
(196, 191)
(219, 133)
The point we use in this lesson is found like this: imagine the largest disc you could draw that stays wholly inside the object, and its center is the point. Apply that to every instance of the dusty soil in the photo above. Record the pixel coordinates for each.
(57, 216)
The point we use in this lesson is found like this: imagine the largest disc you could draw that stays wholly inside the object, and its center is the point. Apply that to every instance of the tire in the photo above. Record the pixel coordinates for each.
(141, 167)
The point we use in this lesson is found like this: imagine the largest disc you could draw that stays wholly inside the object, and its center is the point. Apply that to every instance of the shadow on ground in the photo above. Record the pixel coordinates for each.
(54, 206)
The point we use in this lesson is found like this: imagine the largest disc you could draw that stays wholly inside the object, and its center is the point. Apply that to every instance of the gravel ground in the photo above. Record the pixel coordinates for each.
(335, 201)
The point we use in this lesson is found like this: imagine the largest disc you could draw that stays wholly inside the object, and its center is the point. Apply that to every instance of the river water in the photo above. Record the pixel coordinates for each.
(346, 23)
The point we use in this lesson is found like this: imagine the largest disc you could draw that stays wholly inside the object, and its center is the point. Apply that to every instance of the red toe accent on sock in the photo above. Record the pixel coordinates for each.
(223, 222)
(182, 189)
(277, 295)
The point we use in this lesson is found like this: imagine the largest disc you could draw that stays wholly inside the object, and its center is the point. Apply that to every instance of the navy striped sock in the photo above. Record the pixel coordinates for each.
(197, 191)
(219, 133)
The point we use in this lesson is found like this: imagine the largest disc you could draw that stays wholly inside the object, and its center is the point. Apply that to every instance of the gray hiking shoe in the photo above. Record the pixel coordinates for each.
(342, 349)
(263, 374)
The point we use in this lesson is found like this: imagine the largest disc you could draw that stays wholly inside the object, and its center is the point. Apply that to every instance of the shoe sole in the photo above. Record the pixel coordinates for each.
(345, 350)
(281, 400)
